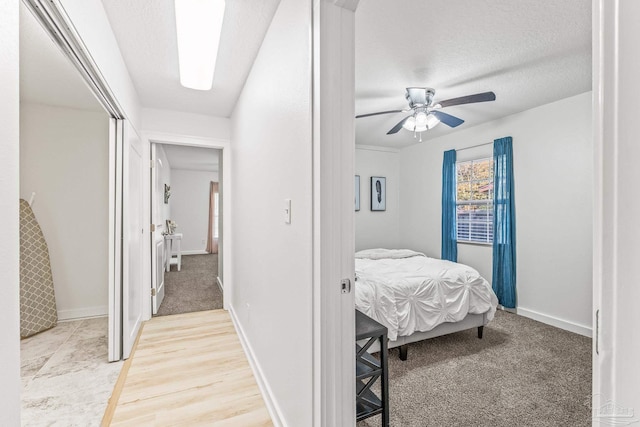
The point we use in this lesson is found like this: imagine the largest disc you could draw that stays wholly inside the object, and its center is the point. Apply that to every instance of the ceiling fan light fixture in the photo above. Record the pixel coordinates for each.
(410, 124)
(421, 122)
(198, 26)
(425, 115)
(432, 121)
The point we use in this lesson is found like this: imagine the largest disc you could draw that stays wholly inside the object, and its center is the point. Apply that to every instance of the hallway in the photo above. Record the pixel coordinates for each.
(187, 369)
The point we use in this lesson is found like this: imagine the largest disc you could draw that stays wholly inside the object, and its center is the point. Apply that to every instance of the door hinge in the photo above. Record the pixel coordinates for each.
(345, 286)
(152, 227)
(152, 164)
(153, 292)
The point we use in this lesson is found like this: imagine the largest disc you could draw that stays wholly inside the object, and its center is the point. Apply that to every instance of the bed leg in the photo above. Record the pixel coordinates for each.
(480, 331)
(404, 349)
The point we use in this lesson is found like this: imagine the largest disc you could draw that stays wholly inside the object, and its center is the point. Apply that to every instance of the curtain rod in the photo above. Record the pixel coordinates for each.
(474, 146)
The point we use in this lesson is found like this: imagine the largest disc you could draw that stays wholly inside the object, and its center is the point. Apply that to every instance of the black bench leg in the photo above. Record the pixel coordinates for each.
(404, 349)
(480, 330)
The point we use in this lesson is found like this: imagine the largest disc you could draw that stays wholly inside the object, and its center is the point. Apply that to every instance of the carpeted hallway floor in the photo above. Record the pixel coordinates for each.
(193, 288)
(522, 373)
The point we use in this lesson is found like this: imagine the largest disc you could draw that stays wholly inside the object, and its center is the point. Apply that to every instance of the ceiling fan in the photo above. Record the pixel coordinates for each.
(425, 114)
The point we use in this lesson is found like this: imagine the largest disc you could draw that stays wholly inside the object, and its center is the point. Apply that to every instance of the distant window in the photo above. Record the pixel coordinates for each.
(474, 201)
(216, 218)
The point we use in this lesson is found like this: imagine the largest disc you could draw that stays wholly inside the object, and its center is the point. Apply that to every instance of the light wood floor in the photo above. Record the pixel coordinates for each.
(187, 370)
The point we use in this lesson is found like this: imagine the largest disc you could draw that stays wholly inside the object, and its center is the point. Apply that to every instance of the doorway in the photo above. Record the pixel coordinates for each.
(124, 227)
(185, 184)
(414, 175)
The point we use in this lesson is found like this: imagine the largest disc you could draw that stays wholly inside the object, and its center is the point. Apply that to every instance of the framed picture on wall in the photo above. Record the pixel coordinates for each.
(357, 192)
(167, 194)
(378, 193)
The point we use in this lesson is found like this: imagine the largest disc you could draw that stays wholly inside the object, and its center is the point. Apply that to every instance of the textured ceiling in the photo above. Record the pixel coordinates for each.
(145, 31)
(529, 52)
(192, 158)
(46, 75)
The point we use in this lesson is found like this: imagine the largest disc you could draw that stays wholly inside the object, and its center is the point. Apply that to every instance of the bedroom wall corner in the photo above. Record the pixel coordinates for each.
(379, 229)
(553, 171)
(190, 207)
(9, 216)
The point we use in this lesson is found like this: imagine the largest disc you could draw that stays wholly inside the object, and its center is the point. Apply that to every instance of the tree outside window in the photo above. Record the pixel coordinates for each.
(474, 201)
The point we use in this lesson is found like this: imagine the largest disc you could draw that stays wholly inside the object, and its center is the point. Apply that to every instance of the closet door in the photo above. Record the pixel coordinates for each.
(133, 231)
(115, 239)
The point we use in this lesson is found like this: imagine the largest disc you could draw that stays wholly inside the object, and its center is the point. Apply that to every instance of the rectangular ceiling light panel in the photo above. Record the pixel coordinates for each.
(199, 24)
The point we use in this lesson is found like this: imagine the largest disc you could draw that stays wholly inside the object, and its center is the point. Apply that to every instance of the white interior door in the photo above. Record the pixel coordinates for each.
(616, 346)
(133, 232)
(157, 239)
(334, 235)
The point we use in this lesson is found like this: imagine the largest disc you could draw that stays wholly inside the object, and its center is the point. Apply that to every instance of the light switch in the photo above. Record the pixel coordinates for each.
(287, 211)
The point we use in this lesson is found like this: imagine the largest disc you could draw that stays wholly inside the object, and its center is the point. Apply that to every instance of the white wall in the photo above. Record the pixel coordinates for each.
(9, 244)
(180, 123)
(190, 207)
(64, 160)
(91, 21)
(553, 173)
(379, 229)
(272, 261)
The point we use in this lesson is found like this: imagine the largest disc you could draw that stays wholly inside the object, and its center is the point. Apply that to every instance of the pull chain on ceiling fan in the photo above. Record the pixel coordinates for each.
(426, 115)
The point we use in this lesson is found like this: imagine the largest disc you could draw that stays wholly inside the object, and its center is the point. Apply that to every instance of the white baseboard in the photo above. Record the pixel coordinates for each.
(267, 395)
(83, 313)
(554, 321)
(194, 252)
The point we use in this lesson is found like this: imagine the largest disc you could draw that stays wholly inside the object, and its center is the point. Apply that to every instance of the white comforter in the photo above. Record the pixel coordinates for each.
(407, 291)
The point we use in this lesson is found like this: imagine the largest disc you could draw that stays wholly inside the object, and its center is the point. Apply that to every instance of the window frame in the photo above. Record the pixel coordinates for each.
(488, 202)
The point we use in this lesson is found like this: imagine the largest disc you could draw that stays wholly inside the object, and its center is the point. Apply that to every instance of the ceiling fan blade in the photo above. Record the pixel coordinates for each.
(469, 99)
(397, 127)
(447, 119)
(381, 112)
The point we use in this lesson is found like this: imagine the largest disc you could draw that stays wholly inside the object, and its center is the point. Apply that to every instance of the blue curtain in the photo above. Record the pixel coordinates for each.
(504, 223)
(449, 231)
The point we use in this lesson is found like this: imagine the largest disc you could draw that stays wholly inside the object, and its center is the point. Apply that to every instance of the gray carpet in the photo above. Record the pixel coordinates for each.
(193, 288)
(522, 373)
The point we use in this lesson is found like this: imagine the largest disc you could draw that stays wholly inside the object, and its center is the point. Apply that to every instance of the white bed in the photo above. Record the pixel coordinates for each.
(417, 297)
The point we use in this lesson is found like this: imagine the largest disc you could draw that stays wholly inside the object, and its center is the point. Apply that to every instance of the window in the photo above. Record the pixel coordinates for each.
(216, 218)
(474, 201)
